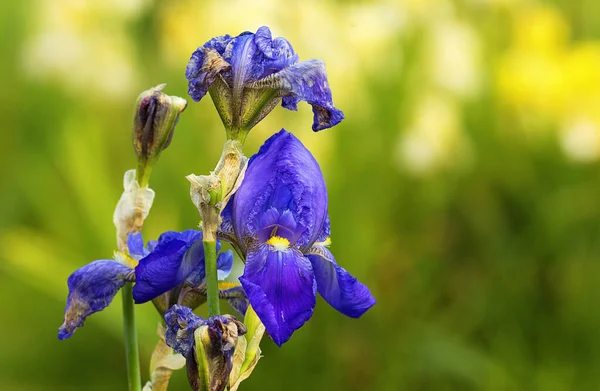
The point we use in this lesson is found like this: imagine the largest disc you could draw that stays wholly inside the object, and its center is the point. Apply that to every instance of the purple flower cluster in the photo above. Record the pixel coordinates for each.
(278, 218)
(176, 260)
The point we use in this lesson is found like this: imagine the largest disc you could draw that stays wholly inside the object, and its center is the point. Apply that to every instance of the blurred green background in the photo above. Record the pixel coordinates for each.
(463, 184)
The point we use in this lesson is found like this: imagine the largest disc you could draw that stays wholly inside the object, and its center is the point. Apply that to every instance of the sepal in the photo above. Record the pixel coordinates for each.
(247, 352)
(162, 364)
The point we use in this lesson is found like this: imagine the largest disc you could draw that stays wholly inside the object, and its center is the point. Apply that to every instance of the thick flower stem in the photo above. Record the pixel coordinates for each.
(131, 344)
(212, 288)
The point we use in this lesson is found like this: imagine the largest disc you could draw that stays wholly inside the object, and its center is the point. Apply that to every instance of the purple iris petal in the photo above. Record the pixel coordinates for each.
(227, 218)
(281, 288)
(338, 287)
(282, 175)
(204, 67)
(91, 289)
(236, 297)
(224, 264)
(307, 81)
(325, 231)
(165, 268)
(278, 53)
(135, 244)
(181, 323)
(272, 222)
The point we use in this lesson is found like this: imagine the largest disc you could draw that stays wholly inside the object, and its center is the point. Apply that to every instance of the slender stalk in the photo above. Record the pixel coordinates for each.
(212, 287)
(132, 354)
(131, 344)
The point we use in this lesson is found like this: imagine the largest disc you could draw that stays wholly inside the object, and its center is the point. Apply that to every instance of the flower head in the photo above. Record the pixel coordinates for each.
(279, 220)
(173, 265)
(207, 344)
(249, 74)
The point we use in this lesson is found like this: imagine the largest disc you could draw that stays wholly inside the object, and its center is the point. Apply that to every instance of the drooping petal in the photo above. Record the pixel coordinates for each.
(282, 175)
(202, 70)
(305, 81)
(181, 322)
(236, 297)
(164, 268)
(91, 289)
(281, 288)
(338, 287)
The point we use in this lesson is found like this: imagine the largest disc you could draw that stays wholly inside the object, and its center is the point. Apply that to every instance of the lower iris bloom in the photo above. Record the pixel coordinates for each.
(278, 219)
(218, 336)
(172, 266)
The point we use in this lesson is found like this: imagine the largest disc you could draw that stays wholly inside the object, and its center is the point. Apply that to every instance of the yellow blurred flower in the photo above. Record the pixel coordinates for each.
(84, 45)
(434, 139)
(543, 75)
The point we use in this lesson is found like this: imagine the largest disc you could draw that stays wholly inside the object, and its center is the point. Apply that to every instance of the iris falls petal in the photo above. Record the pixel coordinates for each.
(305, 81)
(338, 287)
(91, 289)
(281, 288)
(181, 322)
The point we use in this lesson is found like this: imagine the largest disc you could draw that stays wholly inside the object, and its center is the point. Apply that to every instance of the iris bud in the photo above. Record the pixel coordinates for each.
(153, 125)
(215, 343)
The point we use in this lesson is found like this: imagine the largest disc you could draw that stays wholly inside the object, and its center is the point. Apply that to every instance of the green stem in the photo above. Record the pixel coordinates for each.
(131, 343)
(212, 287)
(143, 172)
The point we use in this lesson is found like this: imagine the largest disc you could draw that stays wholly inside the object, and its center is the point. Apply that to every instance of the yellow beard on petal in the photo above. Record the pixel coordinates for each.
(278, 243)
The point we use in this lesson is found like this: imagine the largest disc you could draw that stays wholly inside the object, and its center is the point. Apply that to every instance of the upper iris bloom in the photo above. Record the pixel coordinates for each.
(173, 265)
(279, 220)
(249, 74)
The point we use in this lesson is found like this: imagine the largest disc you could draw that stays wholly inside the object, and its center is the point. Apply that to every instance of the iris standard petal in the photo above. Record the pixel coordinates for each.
(281, 288)
(181, 322)
(278, 53)
(325, 231)
(91, 289)
(283, 174)
(135, 244)
(305, 81)
(224, 264)
(338, 287)
(163, 268)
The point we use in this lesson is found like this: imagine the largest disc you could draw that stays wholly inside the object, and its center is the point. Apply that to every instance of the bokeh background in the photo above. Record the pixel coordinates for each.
(464, 184)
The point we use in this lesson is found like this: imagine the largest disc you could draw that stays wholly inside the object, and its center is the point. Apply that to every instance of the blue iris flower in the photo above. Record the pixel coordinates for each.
(279, 220)
(174, 261)
(250, 73)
